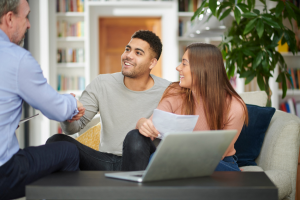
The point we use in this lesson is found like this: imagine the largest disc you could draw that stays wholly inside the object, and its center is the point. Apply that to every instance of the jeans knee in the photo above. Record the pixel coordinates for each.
(135, 141)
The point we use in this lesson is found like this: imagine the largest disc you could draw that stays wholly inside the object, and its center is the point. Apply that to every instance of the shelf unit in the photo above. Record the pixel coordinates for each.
(73, 69)
(293, 62)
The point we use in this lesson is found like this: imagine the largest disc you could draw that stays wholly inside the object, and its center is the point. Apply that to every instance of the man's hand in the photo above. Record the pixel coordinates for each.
(81, 110)
(146, 128)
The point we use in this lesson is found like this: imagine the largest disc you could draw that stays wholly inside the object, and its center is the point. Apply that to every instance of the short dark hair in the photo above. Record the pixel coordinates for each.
(7, 6)
(152, 39)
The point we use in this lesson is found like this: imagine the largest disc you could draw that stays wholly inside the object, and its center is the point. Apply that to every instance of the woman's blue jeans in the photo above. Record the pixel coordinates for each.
(227, 164)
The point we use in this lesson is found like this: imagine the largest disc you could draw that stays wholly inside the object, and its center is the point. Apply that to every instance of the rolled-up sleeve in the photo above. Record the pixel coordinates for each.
(35, 90)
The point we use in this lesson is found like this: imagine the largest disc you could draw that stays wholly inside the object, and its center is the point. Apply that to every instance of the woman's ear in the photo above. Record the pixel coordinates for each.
(153, 63)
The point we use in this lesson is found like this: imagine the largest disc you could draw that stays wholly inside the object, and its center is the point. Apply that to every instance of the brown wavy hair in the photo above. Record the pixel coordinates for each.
(209, 82)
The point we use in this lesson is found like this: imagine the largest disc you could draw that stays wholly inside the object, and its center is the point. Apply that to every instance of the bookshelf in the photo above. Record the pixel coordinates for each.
(70, 46)
(71, 71)
(293, 65)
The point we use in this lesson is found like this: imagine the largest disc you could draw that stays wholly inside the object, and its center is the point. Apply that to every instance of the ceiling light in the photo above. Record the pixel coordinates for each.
(207, 28)
(198, 32)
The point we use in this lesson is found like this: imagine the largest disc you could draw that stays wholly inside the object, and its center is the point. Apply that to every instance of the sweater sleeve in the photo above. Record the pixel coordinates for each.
(89, 100)
(235, 121)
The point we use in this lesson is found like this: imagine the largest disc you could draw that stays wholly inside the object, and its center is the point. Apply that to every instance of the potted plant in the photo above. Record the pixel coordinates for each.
(249, 47)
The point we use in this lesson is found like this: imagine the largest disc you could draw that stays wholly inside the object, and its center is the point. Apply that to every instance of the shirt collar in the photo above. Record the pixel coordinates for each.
(3, 36)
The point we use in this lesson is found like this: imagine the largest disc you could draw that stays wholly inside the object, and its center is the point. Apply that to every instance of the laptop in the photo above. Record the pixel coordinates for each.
(183, 155)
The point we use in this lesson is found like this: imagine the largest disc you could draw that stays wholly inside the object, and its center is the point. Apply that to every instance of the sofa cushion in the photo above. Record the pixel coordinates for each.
(258, 98)
(250, 141)
(251, 169)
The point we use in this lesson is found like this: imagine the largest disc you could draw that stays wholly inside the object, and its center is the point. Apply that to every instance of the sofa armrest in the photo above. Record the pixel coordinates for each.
(283, 181)
(281, 146)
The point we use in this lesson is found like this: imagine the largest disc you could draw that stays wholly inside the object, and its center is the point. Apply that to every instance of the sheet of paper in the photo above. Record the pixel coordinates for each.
(28, 118)
(166, 122)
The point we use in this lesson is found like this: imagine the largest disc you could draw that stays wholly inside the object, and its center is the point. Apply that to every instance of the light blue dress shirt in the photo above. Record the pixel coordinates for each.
(21, 78)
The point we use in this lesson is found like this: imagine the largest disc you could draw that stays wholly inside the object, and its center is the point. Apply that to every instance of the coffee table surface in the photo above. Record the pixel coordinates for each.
(94, 185)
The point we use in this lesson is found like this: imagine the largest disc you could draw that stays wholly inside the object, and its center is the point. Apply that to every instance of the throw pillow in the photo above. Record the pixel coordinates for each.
(250, 141)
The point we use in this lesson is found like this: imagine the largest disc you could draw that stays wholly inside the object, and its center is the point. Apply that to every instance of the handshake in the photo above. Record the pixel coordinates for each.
(81, 110)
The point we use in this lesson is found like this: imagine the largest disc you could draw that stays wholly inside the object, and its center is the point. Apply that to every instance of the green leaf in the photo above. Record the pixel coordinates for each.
(260, 82)
(243, 7)
(249, 15)
(279, 8)
(247, 52)
(249, 26)
(224, 54)
(260, 28)
(198, 11)
(256, 11)
(249, 78)
(269, 21)
(250, 4)
(231, 71)
(284, 86)
(245, 74)
(237, 15)
(225, 14)
(212, 6)
(290, 39)
(257, 60)
(290, 10)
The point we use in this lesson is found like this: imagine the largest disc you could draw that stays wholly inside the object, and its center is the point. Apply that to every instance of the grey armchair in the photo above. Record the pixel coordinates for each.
(279, 154)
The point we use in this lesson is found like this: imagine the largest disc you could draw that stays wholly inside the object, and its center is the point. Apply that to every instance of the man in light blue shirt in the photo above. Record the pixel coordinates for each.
(21, 79)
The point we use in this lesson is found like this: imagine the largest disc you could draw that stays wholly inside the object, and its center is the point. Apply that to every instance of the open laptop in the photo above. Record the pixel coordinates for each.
(183, 155)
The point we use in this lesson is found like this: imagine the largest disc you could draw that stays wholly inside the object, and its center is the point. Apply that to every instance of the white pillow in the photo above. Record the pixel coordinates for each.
(258, 98)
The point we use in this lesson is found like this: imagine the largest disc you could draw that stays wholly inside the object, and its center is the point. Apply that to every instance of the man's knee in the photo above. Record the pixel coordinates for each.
(135, 141)
(56, 138)
(70, 152)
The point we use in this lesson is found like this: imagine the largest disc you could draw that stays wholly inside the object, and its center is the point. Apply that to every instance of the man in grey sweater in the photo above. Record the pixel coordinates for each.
(122, 99)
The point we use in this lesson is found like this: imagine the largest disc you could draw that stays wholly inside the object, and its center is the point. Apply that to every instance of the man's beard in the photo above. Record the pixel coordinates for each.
(131, 74)
(21, 43)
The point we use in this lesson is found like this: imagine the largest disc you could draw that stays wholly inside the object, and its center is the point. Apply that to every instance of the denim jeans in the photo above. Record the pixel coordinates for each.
(136, 151)
(91, 159)
(33, 163)
(229, 163)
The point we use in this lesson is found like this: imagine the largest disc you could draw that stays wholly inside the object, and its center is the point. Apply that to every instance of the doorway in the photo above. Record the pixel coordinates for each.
(114, 35)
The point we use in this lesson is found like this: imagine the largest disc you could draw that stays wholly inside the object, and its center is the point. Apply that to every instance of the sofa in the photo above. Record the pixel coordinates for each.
(278, 157)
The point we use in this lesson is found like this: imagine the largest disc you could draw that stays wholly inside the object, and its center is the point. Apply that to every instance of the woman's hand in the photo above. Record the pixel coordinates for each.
(146, 128)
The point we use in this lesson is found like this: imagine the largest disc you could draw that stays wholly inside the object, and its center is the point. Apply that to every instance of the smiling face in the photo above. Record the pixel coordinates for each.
(184, 70)
(21, 23)
(137, 59)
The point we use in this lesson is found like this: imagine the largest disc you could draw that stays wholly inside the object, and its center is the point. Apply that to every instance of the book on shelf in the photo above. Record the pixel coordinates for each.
(185, 26)
(188, 5)
(70, 55)
(291, 106)
(69, 5)
(70, 82)
(294, 82)
(66, 29)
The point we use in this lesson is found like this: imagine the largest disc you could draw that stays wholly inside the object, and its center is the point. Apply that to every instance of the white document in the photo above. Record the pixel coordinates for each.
(26, 119)
(166, 122)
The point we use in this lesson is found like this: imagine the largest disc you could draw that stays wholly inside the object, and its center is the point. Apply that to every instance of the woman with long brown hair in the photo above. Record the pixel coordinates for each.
(204, 90)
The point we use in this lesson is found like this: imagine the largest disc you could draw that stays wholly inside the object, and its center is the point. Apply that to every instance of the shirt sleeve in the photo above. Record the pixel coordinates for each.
(35, 90)
(90, 102)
